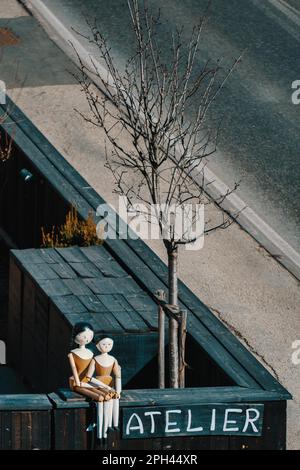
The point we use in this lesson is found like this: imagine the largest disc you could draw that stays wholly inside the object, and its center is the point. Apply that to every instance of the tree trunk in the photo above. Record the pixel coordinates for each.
(173, 324)
(161, 342)
(182, 339)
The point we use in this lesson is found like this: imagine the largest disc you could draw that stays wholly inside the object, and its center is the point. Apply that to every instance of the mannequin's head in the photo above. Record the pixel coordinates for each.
(83, 333)
(105, 345)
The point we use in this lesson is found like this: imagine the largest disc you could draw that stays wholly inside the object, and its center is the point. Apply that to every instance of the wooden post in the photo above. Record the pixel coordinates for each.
(161, 341)
(182, 340)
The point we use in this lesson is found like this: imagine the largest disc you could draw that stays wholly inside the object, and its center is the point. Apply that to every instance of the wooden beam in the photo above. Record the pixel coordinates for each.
(172, 311)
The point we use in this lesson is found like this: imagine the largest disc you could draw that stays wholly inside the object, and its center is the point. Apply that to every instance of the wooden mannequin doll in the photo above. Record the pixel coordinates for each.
(106, 366)
(80, 359)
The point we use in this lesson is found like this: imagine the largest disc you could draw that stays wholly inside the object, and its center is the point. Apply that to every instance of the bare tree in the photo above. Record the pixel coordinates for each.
(146, 104)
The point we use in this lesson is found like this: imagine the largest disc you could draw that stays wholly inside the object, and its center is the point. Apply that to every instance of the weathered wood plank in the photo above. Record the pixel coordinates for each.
(196, 395)
(65, 398)
(36, 256)
(28, 327)
(112, 302)
(141, 301)
(50, 255)
(41, 271)
(77, 286)
(28, 256)
(111, 269)
(70, 421)
(70, 396)
(124, 286)
(96, 254)
(107, 323)
(40, 341)
(69, 304)
(150, 318)
(93, 303)
(41, 431)
(86, 269)
(24, 402)
(63, 270)
(72, 254)
(55, 287)
(101, 258)
(130, 322)
(121, 310)
(59, 345)
(14, 336)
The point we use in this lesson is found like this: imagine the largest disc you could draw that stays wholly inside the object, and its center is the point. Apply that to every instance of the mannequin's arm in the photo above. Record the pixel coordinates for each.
(118, 378)
(92, 380)
(98, 383)
(74, 370)
(91, 370)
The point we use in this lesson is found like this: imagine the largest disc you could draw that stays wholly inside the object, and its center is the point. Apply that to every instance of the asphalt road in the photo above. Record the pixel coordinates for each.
(259, 143)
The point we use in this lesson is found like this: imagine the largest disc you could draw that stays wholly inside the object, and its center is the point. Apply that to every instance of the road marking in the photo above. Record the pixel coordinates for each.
(287, 9)
(288, 19)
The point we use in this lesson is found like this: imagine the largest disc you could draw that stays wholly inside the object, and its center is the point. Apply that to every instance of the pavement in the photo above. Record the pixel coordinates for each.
(243, 285)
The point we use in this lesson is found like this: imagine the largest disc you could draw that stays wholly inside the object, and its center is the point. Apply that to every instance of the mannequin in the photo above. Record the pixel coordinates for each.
(80, 359)
(108, 372)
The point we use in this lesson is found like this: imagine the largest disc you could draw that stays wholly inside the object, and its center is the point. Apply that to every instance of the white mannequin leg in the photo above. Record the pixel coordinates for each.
(100, 420)
(107, 412)
(116, 407)
(110, 413)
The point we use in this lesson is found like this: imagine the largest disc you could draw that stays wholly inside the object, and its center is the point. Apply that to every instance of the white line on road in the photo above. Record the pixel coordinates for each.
(287, 9)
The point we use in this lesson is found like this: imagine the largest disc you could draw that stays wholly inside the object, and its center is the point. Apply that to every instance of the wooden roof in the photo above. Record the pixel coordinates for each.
(89, 281)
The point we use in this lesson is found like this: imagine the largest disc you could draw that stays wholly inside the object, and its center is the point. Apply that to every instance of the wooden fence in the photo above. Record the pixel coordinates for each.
(60, 421)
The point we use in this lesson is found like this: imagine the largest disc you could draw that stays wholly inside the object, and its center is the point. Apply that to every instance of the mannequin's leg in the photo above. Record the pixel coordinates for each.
(100, 420)
(89, 393)
(116, 406)
(110, 413)
(107, 412)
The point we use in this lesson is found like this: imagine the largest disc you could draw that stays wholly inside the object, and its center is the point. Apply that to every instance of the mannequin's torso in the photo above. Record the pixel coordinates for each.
(105, 360)
(83, 353)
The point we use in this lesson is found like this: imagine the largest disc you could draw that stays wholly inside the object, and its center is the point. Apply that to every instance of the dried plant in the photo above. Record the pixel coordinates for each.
(6, 146)
(74, 232)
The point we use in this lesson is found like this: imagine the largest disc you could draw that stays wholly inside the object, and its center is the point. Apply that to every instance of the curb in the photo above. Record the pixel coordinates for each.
(267, 237)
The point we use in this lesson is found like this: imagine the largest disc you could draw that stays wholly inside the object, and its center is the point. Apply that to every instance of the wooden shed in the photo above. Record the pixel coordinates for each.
(58, 288)
(113, 287)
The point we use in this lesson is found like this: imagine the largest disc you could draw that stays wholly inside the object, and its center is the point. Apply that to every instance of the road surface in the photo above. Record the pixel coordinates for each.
(259, 143)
